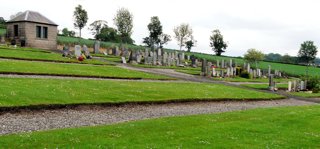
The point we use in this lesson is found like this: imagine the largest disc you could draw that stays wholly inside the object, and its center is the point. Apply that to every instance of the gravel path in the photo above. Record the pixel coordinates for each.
(27, 121)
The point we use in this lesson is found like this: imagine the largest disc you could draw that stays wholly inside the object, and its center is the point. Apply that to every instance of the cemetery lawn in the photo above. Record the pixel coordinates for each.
(265, 86)
(37, 54)
(285, 127)
(307, 95)
(48, 68)
(27, 91)
(187, 70)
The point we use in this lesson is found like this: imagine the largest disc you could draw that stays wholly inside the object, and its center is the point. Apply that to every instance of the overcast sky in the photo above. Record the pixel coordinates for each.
(278, 26)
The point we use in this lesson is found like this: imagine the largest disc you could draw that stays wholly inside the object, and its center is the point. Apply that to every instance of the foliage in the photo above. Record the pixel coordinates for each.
(97, 26)
(217, 43)
(253, 56)
(124, 22)
(80, 18)
(312, 82)
(288, 59)
(3, 31)
(67, 33)
(183, 33)
(245, 74)
(308, 52)
(273, 57)
(191, 43)
(164, 39)
(155, 30)
(2, 23)
(109, 34)
(281, 127)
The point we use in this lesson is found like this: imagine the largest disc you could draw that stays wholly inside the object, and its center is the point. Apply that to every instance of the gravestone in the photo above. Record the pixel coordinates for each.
(139, 57)
(289, 86)
(193, 61)
(209, 69)
(2, 40)
(96, 47)
(222, 64)
(77, 51)
(146, 53)
(214, 73)
(123, 59)
(66, 51)
(218, 65)
(269, 70)
(117, 51)
(165, 59)
(248, 68)
(204, 67)
(230, 63)
(302, 86)
(154, 59)
(182, 57)
(188, 57)
(271, 83)
(86, 51)
(159, 52)
(295, 86)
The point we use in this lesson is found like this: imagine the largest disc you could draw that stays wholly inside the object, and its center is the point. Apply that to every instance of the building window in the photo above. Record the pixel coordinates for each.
(42, 32)
(16, 30)
(38, 28)
(45, 32)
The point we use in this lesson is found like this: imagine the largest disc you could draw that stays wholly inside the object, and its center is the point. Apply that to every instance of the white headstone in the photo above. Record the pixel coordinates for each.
(77, 51)
(289, 86)
(123, 60)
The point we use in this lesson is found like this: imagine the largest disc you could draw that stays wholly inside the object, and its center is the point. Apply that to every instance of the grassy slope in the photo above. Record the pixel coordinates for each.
(72, 69)
(22, 91)
(290, 127)
(307, 95)
(263, 80)
(37, 54)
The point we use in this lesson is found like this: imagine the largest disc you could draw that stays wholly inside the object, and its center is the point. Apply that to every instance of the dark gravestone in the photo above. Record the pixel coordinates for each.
(65, 51)
(204, 67)
(193, 61)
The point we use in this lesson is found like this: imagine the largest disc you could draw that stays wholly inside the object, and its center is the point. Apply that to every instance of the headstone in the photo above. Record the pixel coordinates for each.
(159, 52)
(86, 51)
(204, 67)
(230, 63)
(188, 57)
(271, 83)
(193, 62)
(214, 73)
(254, 73)
(302, 85)
(154, 59)
(248, 68)
(208, 71)
(146, 53)
(123, 60)
(77, 51)
(182, 57)
(295, 86)
(218, 65)
(117, 51)
(269, 70)
(2, 40)
(66, 51)
(289, 86)
(96, 47)
(222, 64)
(165, 59)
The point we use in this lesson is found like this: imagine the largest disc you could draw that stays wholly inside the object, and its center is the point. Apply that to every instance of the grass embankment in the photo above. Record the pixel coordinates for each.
(42, 55)
(24, 92)
(47, 68)
(265, 86)
(289, 127)
(306, 95)
(258, 80)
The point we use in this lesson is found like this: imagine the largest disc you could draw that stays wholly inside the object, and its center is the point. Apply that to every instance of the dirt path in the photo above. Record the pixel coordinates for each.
(27, 121)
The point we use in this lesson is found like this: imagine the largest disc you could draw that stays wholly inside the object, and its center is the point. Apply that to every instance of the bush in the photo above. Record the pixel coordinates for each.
(313, 83)
(246, 75)
(316, 89)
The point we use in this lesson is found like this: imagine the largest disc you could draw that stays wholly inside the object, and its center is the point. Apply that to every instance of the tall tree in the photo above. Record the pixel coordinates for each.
(97, 26)
(155, 30)
(80, 18)
(109, 34)
(254, 56)
(182, 34)
(124, 22)
(217, 43)
(307, 53)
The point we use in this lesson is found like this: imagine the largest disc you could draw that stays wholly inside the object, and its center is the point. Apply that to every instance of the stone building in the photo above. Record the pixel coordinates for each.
(32, 29)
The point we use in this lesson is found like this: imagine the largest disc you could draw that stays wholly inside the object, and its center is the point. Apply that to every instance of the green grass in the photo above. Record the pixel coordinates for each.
(286, 127)
(307, 95)
(72, 69)
(265, 86)
(187, 70)
(24, 92)
(38, 54)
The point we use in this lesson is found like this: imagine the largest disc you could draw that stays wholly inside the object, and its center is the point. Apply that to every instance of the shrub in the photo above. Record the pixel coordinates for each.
(316, 89)
(246, 75)
(313, 82)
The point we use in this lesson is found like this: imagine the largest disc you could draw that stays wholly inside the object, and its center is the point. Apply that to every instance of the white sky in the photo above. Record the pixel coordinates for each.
(278, 26)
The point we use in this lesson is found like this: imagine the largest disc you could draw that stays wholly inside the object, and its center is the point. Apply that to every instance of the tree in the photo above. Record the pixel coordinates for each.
(109, 34)
(217, 43)
(97, 26)
(191, 43)
(307, 53)
(273, 57)
(254, 56)
(182, 34)
(124, 22)
(164, 39)
(80, 18)
(147, 41)
(67, 33)
(155, 29)
(2, 23)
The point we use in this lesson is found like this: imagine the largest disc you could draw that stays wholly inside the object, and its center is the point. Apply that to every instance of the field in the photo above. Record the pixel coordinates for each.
(24, 92)
(286, 127)
(48, 68)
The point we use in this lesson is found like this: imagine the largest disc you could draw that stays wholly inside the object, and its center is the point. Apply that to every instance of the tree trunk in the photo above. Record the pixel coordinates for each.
(80, 32)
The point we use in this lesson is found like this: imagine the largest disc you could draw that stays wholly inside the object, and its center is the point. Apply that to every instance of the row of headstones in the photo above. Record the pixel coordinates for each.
(296, 85)
(77, 51)
(157, 57)
(209, 70)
